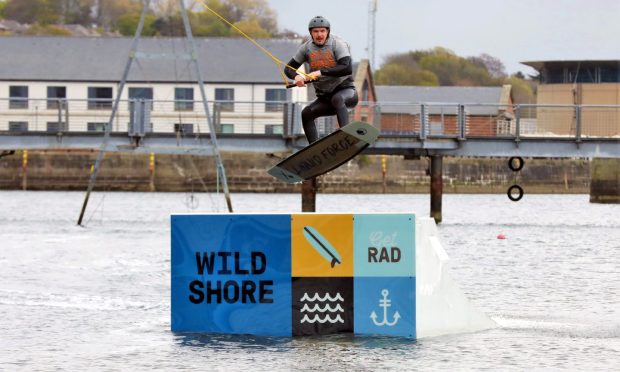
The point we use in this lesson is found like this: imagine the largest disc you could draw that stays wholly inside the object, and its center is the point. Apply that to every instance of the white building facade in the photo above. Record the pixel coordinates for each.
(69, 84)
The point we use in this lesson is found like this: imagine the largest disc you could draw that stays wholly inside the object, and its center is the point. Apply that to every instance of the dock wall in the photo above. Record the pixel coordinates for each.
(247, 172)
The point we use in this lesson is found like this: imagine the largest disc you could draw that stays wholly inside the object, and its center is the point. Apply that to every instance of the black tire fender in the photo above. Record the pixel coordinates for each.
(516, 163)
(511, 191)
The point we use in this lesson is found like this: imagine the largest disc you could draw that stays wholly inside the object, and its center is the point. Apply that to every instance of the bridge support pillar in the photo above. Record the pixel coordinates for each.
(605, 181)
(436, 186)
(308, 195)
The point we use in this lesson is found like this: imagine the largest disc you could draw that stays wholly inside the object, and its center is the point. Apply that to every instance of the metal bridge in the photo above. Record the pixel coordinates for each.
(408, 129)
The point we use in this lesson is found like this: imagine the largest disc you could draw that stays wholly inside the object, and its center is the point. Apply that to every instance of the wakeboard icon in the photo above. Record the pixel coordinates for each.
(322, 246)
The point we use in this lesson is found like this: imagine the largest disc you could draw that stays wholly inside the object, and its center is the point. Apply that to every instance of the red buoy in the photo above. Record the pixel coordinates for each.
(501, 236)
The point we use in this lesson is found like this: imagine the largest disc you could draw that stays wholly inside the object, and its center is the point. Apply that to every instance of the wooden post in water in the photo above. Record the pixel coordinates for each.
(308, 195)
(436, 186)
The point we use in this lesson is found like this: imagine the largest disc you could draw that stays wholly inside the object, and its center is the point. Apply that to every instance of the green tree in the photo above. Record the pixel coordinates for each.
(252, 28)
(438, 66)
(523, 91)
(206, 24)
(23, 11)
(398, 74)
(109, 11)
(494, 66)
(250, 11)
(254, 17)
(128, 23)
(48, 11)
(47, 30)
(77, 11)
(2, 7)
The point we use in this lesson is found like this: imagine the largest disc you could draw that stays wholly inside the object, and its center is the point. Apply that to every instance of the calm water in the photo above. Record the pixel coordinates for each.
(98, 297)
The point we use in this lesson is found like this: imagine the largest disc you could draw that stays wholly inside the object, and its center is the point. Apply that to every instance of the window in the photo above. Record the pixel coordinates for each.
(610, 74)
(275, 99)
(184, 128)
(96, 127)
(141, 93)
(18, 126)
(183, 99)
(365, 93)
(225, 97)
(274, 129)
(54, 95)
(227, 128)
(99, 98)
(18, 97)
(54, 126)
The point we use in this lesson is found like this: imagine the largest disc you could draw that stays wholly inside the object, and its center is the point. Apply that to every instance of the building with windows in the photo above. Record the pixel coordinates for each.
(489, 110)
(69, 83)
(586, 83)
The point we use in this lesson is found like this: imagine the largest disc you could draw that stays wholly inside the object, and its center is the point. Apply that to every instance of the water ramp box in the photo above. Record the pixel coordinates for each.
(312, 274)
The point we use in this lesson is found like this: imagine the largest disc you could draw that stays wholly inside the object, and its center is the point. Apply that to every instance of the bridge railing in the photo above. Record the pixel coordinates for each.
(394, 119)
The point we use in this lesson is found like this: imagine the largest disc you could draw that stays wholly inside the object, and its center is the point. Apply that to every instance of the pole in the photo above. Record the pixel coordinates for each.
(201, 85)
(308, 195)
(436, 186)
(108, 128)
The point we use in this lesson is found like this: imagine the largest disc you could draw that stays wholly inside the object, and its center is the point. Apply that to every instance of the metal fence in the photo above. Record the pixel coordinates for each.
(439, 120)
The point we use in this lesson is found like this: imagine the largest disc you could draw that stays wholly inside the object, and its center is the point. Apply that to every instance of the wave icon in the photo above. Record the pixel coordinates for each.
(328, 312)
(316, 307)
(318, 319)
(317, 297)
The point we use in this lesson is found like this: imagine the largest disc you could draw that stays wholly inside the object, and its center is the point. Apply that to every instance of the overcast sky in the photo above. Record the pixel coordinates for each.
(510, 30)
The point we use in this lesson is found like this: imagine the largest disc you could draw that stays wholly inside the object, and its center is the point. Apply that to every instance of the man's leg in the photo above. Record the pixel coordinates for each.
(342, 101)
(314, 110)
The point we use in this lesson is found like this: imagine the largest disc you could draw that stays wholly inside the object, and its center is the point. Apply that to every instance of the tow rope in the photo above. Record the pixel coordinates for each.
(275, 59)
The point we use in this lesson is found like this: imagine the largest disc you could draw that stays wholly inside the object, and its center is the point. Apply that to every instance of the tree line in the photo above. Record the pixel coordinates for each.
(254, 17)
(442, 67)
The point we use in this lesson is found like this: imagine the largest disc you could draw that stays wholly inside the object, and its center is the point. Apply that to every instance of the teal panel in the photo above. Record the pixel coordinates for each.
(384, 245)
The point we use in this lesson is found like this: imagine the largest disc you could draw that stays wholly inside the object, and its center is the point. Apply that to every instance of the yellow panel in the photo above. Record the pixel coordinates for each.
(325, 235)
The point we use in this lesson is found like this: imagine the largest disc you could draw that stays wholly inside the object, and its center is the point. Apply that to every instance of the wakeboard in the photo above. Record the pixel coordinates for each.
(326, 154)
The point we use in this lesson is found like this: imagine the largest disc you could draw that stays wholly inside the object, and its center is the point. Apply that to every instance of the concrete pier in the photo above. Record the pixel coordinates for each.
(605, 181)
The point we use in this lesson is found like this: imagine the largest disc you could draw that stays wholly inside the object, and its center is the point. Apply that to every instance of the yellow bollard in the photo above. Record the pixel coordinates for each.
(152, 162)
(384, 171)
(152, 171)
(25, 170)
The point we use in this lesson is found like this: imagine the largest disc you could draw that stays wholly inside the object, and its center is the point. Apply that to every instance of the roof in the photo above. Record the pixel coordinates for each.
(406, 98)
(538, 65)
(361, 71)
(97, 59)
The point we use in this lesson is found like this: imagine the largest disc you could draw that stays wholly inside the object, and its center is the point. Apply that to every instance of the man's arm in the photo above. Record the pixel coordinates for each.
(343, 68)
(289, 72)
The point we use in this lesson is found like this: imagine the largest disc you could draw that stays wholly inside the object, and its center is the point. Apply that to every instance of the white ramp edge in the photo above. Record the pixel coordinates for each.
(441, 307)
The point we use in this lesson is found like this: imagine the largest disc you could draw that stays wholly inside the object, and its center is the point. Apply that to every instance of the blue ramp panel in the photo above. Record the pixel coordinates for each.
(385, 283)
(385, 306)
(231, 274)
(304, 274)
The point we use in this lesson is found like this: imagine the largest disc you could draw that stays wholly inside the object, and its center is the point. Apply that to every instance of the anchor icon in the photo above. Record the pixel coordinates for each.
(385, 303)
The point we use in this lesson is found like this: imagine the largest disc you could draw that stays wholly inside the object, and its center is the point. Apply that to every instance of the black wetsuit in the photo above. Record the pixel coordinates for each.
(337, 101)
